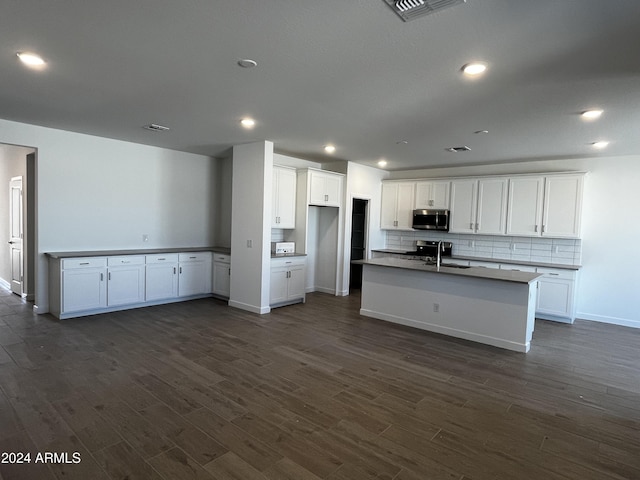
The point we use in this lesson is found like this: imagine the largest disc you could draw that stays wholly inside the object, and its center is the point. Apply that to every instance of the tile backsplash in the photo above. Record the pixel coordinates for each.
(544, 250)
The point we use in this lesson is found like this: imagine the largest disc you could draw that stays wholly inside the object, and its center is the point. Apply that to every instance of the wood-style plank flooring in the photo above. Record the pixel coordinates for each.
(199, 390)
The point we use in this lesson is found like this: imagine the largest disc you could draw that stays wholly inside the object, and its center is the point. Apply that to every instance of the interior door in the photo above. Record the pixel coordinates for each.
(16, 234)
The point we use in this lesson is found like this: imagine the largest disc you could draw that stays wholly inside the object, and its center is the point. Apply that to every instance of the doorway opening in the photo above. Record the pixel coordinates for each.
(358, 241)
(17, 220)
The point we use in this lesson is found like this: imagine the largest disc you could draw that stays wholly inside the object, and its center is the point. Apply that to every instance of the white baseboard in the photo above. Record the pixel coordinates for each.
(249, 308)
(624, 322)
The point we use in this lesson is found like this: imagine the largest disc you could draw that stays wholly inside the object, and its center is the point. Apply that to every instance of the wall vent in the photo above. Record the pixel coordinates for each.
(412, 9)
(154, 127)
(458, 149)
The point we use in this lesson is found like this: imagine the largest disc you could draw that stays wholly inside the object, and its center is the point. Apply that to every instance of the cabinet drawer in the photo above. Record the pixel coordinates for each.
(518, 268)
(86, 262)
(221, 258)
(125, 260)
(162, 258)
(195, 257)
(557, 273)
(288, 262)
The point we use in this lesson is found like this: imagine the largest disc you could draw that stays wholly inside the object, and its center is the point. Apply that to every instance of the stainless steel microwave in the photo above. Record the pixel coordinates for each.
(431, 220)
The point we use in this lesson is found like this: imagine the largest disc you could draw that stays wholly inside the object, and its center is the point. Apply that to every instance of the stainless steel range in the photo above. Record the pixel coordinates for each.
(429, 249)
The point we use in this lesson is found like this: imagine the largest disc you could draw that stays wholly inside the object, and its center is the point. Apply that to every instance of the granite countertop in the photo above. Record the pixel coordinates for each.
(490, 260)
(281, 255)
(477, 272)
(147, 251)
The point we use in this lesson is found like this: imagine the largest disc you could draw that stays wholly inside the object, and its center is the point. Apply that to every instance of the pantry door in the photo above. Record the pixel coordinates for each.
(16, 234)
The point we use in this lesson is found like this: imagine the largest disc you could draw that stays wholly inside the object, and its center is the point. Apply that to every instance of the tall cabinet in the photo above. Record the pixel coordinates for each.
(319, 228)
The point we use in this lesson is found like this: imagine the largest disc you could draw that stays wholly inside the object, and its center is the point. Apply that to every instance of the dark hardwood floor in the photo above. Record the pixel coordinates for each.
(199, 390)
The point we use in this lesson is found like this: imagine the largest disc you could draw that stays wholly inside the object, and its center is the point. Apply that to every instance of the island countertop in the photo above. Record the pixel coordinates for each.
(477, 272)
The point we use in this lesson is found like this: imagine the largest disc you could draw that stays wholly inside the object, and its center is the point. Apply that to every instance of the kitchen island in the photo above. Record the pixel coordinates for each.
(495, 307)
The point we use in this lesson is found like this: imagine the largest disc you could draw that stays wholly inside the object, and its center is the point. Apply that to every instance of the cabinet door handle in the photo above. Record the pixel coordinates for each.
(109, 275)
(101, 277)
(180, 270)
(477, 227)
(229, 271)
(554, 274)
(535, 228)
(471, 226)
(543, 228)
(84, 263)
(161, 259)
(431, 203)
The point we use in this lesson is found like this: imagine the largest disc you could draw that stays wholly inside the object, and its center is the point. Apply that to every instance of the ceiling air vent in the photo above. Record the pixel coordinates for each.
(458, 149)
(411, 9)
(154, 127)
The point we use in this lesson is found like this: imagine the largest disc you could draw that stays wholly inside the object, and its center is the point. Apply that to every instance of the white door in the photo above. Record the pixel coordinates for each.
(15, 234)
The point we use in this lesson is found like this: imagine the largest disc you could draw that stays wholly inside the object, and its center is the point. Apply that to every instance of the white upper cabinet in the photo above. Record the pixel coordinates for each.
(432, 194)
(548, 206)
(325, 188)
(396, 212)
(464, 195)
(562, 211)
(491, 213)
(283, 213)
(525, 206)
(478, 206)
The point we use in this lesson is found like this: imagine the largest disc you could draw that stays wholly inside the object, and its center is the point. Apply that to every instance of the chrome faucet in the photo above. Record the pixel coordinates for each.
(439, 257)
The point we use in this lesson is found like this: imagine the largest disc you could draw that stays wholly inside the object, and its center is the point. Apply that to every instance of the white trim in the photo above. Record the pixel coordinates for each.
(249, 308)
(624, 322)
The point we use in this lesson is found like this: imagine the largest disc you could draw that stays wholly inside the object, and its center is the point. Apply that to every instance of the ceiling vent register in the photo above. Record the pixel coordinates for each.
(412, 9)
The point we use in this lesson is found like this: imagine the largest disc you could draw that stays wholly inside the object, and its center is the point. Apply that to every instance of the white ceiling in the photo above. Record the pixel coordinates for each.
(349, 73)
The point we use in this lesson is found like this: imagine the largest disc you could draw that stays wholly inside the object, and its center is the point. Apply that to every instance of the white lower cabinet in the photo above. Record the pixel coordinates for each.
(89, 285)
(222, 275)
(125, 280)
(556, 295)
(162, 277)
(82, 285)
(287, 280)
(194, 274)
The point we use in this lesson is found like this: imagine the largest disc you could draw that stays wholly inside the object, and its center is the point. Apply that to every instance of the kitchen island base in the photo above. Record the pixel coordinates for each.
(495, 312)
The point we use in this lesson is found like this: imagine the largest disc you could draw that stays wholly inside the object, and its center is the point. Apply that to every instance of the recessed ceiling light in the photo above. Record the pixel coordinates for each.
(248, 122)
(31, 59)
(600, 144)
(402, 142)
(479, 132)
(329, 148)
(382, 162)
(475, 68)
(247, 63)
(591, 114)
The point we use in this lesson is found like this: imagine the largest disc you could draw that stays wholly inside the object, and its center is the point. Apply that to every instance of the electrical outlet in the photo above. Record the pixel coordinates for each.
(436, 307)
(145, 237)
